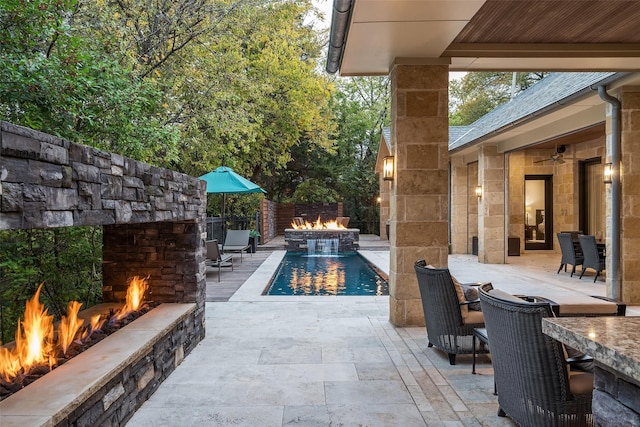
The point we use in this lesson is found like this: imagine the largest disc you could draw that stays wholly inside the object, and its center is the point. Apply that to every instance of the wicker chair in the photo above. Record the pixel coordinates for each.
(592, 257)
(569, 255)
(448, 320)
(533, 382)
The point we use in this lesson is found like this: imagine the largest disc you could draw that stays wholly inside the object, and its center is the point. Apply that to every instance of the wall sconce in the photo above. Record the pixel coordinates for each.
(607, 174)
(479, 191)
(387, 168)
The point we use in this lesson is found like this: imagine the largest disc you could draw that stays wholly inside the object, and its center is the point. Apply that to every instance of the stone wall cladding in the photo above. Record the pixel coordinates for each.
(171, 254)
(116, 402)
(615, 399)
(47, 181)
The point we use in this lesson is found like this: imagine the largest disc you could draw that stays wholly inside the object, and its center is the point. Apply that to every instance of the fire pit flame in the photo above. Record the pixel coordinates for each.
(318, 225)
(35, 344)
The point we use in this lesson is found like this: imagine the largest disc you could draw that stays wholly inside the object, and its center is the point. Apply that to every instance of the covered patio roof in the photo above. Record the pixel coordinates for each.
(369, 36)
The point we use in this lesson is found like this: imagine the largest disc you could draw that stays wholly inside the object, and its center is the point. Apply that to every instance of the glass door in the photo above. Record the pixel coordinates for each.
(538, 196)
(592, 197)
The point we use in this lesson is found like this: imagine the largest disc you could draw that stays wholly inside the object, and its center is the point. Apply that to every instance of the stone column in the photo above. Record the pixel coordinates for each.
(459, 206)
(472, 205)
(516, 204)
(491, 210)
(419, 192)
(630, 203)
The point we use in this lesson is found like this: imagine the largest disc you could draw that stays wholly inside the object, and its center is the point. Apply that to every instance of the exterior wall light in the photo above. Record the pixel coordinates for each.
(479, 191)
(387, 168)
(607, 174)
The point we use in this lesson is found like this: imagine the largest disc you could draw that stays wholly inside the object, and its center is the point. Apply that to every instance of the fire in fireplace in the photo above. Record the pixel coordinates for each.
(40, 346)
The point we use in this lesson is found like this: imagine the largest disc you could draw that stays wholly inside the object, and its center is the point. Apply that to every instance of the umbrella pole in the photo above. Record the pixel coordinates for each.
(224, 220)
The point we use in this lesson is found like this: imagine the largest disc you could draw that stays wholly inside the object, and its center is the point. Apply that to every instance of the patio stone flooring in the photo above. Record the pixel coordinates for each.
(333, 361)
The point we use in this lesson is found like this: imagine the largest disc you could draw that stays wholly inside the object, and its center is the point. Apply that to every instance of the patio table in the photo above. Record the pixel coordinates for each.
(613, 344)
(580, 305)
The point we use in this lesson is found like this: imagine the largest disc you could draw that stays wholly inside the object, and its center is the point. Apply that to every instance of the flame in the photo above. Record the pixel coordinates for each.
(69, 325)
(135, 294)
(318, 225)
(34, 343)
(95, 324)
(34, 340)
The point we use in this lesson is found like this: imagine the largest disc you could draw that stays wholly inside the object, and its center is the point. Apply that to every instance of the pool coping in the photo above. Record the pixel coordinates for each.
(255, 285)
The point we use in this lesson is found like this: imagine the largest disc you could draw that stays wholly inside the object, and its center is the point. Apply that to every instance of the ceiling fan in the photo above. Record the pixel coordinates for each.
(555, 157)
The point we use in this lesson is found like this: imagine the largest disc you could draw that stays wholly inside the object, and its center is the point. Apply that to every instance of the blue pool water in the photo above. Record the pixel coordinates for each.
(343, 274)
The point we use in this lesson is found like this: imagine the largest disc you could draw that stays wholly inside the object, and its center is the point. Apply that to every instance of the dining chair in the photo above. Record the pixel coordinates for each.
(535, 384)
(592, 257)
(569, 255)
(448, 320)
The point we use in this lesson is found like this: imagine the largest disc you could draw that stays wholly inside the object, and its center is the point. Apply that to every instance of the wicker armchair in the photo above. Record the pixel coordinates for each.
(592, 256)
(569, 255)
(448, 320)
(535, 387)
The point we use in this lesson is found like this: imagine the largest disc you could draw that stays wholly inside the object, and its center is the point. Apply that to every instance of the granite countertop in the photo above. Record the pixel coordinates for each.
(612, 341)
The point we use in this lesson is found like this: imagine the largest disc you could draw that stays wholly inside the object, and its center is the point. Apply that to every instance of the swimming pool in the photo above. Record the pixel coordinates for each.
(342, 274)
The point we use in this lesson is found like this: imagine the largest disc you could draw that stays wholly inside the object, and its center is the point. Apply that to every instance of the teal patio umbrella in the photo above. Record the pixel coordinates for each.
(225, 181)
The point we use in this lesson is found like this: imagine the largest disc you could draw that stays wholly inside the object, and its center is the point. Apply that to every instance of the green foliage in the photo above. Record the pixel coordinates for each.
(60, 83)
(312, 190)
(66, 260)
(478, 93)
(362, 107)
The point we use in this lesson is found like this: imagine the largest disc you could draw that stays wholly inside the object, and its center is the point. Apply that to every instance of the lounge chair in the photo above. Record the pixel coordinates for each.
(535, 385)
(592, 256)
(569, 255)
(216, 259)
(236, 241)
(448, 320)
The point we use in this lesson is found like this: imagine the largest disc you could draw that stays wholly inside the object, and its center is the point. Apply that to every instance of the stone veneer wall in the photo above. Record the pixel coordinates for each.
(615, 399)
(630, 197)
(116, 402)
(50, 182)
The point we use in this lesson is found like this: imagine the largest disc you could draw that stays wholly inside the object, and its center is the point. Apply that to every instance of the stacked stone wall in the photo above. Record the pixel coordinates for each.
(47, 181)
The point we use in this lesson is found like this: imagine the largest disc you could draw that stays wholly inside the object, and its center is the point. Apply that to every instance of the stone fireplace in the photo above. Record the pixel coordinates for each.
(153, 222)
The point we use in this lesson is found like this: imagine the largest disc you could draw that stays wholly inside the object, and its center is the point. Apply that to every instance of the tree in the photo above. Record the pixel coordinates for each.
(58, 82)
(478, 93)
(362, 106)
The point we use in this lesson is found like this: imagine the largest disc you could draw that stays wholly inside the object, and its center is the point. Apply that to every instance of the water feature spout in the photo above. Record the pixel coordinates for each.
(322, 247)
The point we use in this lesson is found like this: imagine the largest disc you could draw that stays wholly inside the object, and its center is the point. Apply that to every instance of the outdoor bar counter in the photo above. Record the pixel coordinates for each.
(614, 344)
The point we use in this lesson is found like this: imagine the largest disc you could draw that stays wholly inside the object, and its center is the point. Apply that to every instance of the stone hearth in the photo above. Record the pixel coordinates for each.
(106, 383)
